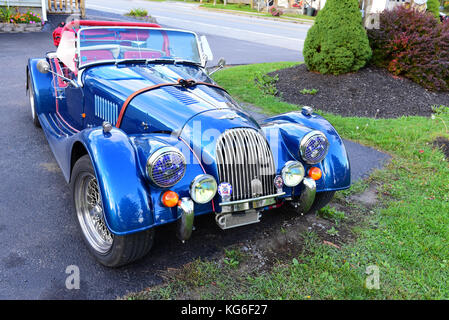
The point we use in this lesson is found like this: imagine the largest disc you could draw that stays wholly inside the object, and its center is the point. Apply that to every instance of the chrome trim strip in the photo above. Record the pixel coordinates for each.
(230, 203)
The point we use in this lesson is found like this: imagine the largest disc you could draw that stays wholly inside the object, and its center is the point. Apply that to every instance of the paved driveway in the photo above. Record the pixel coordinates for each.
(38, 235)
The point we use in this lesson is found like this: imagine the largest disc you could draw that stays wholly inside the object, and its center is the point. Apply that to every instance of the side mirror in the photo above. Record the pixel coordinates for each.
(220, 65)
(43, 66)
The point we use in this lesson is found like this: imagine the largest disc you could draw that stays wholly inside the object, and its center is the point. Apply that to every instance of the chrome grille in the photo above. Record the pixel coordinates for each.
(243, 156)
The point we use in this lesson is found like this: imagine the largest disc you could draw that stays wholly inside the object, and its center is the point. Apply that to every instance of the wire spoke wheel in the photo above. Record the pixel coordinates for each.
(89, 210)
(109, 249)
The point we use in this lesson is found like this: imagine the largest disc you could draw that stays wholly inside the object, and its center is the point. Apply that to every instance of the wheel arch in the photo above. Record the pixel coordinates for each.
(127, 205)
(45, 101)
(335, 166)
(78, 150)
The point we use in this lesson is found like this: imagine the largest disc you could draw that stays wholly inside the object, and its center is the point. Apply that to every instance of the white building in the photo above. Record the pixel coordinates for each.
(37, 6)
(42, 7)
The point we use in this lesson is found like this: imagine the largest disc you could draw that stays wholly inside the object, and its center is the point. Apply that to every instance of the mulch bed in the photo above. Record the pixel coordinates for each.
(370, 92)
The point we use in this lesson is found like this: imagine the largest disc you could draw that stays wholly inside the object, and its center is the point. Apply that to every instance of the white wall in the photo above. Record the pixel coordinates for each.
(21, 3)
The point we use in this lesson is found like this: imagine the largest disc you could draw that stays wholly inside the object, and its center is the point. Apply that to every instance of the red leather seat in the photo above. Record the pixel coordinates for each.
(142, 55)
(96, 55)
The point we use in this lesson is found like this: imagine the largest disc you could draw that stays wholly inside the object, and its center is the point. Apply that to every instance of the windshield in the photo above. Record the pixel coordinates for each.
(123, 43)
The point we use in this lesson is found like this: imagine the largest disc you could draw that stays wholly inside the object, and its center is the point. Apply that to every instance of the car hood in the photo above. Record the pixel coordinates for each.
(167, 109)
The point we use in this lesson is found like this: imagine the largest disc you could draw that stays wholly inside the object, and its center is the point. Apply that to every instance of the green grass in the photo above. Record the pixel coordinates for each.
(188, 1)
(240, 7)
(247, 8)
(406, 235)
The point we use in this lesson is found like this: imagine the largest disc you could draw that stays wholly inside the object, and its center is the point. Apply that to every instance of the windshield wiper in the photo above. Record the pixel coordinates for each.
(133, 60)
(172, 61)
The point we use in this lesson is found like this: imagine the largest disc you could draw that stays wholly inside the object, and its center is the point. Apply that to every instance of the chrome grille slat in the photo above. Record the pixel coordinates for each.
(255, 156)
(229, 160)
(238, 163)
(241, 165)
(244, 166)
(243, 155)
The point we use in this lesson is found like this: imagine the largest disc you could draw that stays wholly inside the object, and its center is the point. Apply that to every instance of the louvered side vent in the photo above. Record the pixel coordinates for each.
(244, 160)
(106, 110)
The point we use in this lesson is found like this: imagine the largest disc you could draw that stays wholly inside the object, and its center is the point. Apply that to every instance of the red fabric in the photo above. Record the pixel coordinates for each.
(104, 34)
(135, 35)
(142, 55)
(95, 55)
(99, 34)
(76, 23)
(57, 35)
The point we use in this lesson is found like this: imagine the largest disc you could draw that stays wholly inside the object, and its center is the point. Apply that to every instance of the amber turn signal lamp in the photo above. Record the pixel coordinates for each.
(315, 173)
(170, 199)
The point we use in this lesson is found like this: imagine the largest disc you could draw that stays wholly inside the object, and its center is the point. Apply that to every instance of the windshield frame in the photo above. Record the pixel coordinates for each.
(78, 46)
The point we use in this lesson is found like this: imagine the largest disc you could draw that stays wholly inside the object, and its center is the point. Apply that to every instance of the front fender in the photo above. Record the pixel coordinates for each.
(336, 167)
(126, 203)
(41, 84)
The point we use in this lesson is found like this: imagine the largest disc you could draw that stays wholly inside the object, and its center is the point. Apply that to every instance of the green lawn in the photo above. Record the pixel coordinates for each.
(247, 8)
(239, 7)
(406, 235)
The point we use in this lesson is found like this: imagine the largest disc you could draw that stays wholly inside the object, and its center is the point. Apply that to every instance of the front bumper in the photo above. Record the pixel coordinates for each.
(248, 215)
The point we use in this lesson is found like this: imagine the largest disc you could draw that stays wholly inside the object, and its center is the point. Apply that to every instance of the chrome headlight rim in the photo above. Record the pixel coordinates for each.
(288, 166)
(304, 143)
(198, 179)
(152, 159)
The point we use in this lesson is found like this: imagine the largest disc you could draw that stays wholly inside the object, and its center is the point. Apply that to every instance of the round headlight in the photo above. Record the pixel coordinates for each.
(293, 173)
(166, 166)
(313, 147)
(203, 188)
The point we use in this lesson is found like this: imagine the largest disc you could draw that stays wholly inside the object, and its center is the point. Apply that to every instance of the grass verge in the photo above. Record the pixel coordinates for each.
(247, 9)
(405, 235)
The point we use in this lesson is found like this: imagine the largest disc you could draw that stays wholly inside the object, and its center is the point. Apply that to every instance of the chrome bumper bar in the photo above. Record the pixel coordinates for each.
(227, 219)
(247, 204)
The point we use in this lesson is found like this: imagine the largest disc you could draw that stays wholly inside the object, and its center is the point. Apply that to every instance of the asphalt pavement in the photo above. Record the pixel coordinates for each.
(275, 34)
(39, 239)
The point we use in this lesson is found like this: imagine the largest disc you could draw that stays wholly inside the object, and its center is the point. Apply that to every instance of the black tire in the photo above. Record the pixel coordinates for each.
(321, 200)
(119, 251)
(32, 99)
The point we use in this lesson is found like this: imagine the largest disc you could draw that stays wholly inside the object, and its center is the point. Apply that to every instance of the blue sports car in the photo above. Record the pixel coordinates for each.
(145, 137)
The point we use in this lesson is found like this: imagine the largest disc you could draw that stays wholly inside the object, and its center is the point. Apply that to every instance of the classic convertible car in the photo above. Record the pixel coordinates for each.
(145, 137)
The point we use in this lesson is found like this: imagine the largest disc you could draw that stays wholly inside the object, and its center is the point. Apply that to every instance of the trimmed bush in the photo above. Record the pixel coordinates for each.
(337, 43)
(414, 45)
